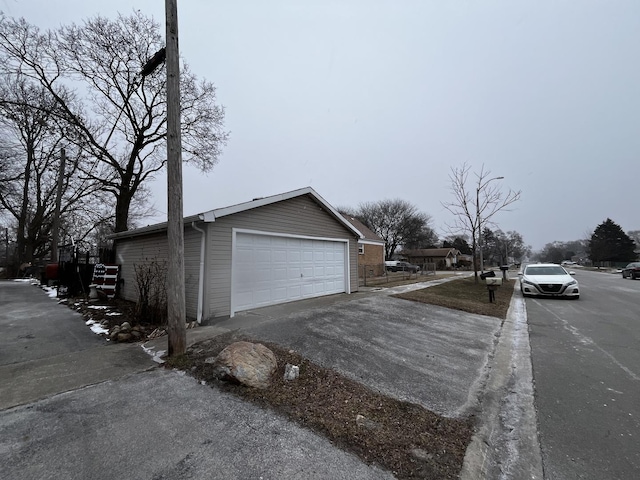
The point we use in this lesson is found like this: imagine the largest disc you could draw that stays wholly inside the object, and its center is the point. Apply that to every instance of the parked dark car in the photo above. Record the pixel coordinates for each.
(632, 271)
(404, 267)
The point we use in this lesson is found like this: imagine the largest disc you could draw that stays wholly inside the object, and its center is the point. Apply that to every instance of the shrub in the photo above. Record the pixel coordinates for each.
(151, 282)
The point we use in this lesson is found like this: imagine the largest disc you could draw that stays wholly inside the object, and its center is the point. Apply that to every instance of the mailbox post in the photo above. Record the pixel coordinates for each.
(504, 269)
(492, 285)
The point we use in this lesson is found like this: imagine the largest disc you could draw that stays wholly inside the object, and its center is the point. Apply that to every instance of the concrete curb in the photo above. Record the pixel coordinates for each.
(506, 443)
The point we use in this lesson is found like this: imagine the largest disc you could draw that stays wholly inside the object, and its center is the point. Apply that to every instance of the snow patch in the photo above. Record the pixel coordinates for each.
(157, 356)
(52, 292)
(96, 327)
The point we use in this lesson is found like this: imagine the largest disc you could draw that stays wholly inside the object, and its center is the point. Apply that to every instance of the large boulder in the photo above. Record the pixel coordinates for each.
(251, 364)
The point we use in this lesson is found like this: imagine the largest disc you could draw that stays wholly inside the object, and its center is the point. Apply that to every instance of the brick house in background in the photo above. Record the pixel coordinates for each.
(370, 248)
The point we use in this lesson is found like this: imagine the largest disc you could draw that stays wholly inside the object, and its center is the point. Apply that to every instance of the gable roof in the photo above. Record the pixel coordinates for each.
(368, 235)
(211, 215)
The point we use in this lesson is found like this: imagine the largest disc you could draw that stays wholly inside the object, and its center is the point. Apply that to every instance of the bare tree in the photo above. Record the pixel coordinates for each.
(31, 141)
(500, 246)
(474, 204)
(397, 222)
(116, 116)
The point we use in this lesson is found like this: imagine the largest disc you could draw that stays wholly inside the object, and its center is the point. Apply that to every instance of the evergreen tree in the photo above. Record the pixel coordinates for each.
(462, 245)
(609, 243)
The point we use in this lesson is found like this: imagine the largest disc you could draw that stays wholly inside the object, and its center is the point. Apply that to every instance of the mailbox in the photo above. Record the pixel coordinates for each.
(489, 273)
(492, 285)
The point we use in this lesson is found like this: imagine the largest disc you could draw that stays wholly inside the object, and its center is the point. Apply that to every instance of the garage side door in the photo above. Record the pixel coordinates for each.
(273, 269)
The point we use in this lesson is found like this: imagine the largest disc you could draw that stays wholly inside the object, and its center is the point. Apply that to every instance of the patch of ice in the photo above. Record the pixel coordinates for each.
(22, 280)
(157, 356)
(98, 307)
(112, 314)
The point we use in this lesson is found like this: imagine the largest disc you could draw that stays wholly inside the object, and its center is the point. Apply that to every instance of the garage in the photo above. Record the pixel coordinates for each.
(269, 250)
(268, 269)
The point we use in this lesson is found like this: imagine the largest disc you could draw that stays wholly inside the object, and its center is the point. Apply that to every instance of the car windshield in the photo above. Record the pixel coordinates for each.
(546, 270)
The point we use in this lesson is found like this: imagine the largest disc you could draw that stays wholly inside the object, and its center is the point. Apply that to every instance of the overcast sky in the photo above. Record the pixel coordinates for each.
(368, 100)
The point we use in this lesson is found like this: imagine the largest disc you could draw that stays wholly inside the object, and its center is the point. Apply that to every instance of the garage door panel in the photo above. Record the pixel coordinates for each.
(245, 255)
(280, 274)
(294, 273)
(272, 269)
(279, 255)
(307, 290)
(293, 256)
(262, 255)
(294, 292)
(280, 294)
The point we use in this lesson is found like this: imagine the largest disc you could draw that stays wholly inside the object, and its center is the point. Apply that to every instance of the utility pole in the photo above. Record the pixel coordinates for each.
(55, 230)
(176, 309)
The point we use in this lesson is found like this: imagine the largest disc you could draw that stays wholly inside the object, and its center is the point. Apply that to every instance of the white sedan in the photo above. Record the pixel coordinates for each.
(548, 280)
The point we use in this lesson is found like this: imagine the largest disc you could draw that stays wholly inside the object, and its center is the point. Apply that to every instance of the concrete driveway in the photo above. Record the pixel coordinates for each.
(421, 353)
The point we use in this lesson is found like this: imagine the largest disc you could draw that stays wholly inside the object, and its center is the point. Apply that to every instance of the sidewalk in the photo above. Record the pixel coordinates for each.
(506, 443)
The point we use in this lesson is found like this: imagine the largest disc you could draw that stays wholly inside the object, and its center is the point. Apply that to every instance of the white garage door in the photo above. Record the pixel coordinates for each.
(271, 269)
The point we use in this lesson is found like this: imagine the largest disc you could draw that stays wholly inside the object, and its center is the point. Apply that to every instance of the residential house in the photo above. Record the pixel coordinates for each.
(443, 258)
(370, 249)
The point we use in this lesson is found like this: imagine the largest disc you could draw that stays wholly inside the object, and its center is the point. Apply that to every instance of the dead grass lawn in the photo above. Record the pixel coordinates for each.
(466, 295)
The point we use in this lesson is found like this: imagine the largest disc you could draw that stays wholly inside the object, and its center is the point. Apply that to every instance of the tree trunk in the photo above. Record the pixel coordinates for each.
(474, 258)
(24, 210)
(123, 203)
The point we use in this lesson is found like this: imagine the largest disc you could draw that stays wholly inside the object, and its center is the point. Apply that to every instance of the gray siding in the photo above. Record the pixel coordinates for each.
(191, 269)
(296, 216)
(145, 249)
(135, 251)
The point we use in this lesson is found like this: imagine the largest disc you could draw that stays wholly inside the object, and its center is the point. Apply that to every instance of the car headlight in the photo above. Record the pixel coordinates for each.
(572, 282)
(528, 282)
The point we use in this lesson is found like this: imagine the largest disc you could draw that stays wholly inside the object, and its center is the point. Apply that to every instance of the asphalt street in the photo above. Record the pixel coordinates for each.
(586, 366)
